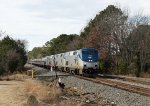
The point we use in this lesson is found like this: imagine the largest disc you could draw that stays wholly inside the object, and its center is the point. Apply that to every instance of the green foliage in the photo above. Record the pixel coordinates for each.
(38, 52)
(59, 44)
(101, 64)
(12, 55)
(1, 69)
(122, 68)
(132, 68)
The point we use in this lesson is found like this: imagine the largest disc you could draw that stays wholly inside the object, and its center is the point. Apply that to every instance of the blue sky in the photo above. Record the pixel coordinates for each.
(38, 21)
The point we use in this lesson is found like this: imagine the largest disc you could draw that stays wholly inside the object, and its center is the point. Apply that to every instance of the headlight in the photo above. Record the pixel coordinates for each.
(91, 60)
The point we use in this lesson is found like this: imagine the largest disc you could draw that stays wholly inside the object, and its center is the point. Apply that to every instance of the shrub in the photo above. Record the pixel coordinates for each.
(12, 55)
(122, 68)
(2, 70)
(101, 65)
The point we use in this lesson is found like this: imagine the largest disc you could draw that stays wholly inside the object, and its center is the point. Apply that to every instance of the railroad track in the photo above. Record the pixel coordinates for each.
(129, 79)
(128, 87)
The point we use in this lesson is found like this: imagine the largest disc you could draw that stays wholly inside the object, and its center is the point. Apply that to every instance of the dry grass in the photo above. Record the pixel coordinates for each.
(145, 75)
(17, 77)
(43, 93)
(47, 94)
(142, 75)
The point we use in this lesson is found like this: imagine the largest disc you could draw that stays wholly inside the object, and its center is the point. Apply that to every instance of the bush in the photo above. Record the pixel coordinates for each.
(101, 65)
(122, 68)
(2, 70)
(12, 55)
(132, 68)
(105, 66)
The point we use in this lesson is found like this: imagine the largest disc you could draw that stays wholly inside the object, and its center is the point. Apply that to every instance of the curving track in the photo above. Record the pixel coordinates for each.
(135, 88)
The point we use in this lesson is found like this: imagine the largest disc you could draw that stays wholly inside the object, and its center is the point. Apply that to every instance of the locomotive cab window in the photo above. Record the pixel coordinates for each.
(84, 52)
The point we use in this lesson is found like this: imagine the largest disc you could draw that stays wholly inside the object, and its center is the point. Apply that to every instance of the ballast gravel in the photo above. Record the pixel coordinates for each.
(118, 96)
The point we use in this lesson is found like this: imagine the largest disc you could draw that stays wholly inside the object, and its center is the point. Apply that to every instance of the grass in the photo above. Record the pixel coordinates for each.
(145, 75)
(47, 94)
(16, 77)
(43, 93)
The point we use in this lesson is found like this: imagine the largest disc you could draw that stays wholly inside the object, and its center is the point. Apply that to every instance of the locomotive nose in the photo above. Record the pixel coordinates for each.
(92, 65)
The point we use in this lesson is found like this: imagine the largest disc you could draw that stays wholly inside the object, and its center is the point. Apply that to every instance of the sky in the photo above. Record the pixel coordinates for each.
(38, 21)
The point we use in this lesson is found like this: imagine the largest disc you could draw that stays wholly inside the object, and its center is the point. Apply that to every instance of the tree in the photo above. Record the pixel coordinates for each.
(105, 29)
(140, 46)
(106, 32)
(38, 52)
(12, 55)
(62, 43)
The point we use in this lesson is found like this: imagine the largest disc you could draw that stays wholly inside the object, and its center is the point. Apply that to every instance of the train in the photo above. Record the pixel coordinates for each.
(84, 61)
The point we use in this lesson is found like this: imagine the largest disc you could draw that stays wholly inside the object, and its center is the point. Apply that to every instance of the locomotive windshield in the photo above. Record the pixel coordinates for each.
(89, 52)
(89, 55)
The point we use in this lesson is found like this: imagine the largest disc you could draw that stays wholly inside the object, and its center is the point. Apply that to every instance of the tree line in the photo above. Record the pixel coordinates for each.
(13, 55)
(122, 41)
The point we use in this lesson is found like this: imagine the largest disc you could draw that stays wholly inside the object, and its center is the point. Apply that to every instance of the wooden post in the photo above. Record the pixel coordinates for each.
(32, 74)
(27, 72)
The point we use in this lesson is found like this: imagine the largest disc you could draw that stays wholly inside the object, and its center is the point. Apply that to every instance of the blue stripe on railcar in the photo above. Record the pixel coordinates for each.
(89, 55)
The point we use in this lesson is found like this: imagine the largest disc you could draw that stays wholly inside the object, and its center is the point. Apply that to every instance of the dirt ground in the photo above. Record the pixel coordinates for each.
(12, 93)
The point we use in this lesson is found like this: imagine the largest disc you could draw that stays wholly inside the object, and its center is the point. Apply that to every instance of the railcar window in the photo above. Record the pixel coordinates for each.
(74, 53)
(61, 55)
(66, 62)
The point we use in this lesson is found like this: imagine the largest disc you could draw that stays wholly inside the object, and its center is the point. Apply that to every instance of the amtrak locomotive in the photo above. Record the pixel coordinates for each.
(83, 61)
